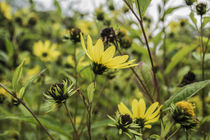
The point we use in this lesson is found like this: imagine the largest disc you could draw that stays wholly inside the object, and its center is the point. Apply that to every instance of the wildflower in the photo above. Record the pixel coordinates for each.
(183, 113)
(124, 123)
(201, 8)
(59, 92)
(5, 10)
(142, 117)
(103, 60)
(108, 35)
(86, 27)
(45, 51)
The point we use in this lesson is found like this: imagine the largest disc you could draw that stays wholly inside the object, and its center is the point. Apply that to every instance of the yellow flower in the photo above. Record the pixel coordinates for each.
(104, 59)
(139, 113)
(186, 107)
(5, 10)
(86, 27)
(46, 51)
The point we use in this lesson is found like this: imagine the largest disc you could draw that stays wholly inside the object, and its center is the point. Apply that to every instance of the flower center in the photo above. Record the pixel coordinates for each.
(140, 122)
(99, 68)
(44, 54)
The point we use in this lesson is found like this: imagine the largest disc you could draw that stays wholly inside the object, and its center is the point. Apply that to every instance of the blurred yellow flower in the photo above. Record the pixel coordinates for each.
(142, 117)
(3, 91)
(33, 71)
(174, 26)
(86, 27)
(46, 51)
(5, 9)
(104, 59)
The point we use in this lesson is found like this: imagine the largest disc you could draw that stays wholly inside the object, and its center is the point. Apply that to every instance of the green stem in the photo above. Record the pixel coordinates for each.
(29, 110)
(72, 122)
(140, 20)
(187, 135)
(202, 67)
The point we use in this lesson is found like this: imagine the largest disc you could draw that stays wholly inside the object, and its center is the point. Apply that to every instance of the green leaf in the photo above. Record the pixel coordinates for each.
(146, 76)
(143, 4)
(192, 17)
(57, 5)
(49, 123)
(186, 92)
(16, 76)
(170, 10)
(9, 47)
(206, 20)
(90, 92)
(21, 92)
(178, 57)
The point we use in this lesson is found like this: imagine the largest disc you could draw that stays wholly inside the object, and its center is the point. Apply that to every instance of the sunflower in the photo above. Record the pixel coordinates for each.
(103, 60)
(5, 10)
(45, 51)
(142, 117)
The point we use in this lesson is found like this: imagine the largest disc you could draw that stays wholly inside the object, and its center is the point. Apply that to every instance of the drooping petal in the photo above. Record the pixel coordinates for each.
(83, 46)
(98, 51)
(116, 61)
(123, 109)
(90, 47)
(153, 120)
(151, 109)
(148, 126)
(108, 54)
(135, 109)
(142, 105)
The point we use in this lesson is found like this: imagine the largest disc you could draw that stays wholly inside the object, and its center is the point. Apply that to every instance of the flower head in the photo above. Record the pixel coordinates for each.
(201, 8)
(103, 60)
(45, 51)
(183, 113)
(142, 117)
(59, 93)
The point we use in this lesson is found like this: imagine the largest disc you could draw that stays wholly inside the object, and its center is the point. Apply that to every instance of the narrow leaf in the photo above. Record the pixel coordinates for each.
(17, 75)
(186, 92)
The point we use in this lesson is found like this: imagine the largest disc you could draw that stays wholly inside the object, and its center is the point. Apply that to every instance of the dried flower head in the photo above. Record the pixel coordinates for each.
(75, 35)
(108, 35)
(201, 8)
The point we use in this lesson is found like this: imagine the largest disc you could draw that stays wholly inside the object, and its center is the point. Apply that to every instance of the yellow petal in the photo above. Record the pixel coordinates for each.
(151, 109)
(90, 47)
(108, 54)
(123, 109)
(83, 46)
(148, 126)
(153, 120)
(142, 105)
(116, 61)
(154, 114)
(127, 63)
(135, 109)
(98, 50)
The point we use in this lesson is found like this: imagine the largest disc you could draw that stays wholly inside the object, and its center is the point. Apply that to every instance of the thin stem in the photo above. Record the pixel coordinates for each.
(147, 44)
(134, 72)
(89, 110)
(29, 110)
(169, 137)
(89, 122)
(202, 67)
(187, 135)
(71, 120)
(76, 79)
